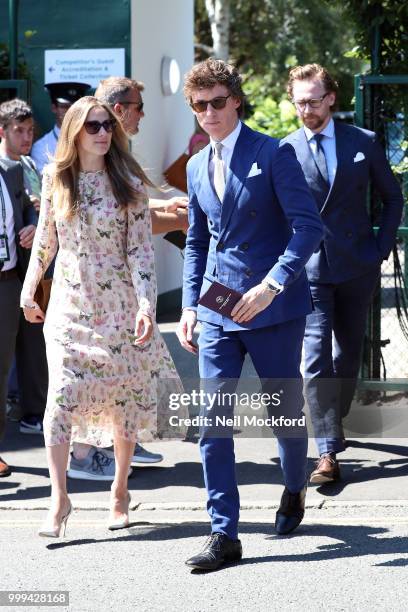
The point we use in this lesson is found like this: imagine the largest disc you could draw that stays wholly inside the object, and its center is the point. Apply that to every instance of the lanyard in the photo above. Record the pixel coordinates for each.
(3, 208)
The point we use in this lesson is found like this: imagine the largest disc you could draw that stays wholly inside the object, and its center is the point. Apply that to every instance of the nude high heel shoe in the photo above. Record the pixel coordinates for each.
(120, 523)
(55, 533)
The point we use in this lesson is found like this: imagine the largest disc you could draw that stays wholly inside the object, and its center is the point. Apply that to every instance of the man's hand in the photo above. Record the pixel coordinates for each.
(252, 302)
(143, 328)
(34, 315)
(182, 217)
(26, 235)
(185, 330)
(36, 202)
(171, 205)
(176, 203)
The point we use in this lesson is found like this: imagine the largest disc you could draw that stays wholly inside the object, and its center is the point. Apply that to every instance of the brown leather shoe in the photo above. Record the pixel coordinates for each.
(327, 470)
(4, 469)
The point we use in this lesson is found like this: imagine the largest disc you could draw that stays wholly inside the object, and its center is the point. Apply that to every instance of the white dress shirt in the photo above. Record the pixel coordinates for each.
(45, 147)
(10, 231)
(227, 150)
(329, 147)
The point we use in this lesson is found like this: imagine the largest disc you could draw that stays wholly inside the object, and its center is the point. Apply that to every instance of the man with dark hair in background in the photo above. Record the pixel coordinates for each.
(18, 220)
(16, 134)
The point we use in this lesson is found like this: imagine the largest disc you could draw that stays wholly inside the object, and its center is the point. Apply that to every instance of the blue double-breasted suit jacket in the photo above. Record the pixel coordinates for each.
(267, 225)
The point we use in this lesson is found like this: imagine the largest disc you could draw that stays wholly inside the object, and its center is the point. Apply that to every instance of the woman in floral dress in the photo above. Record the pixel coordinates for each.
(105, 353)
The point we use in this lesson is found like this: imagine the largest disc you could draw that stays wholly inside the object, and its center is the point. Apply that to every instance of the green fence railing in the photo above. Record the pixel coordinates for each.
(381, 105)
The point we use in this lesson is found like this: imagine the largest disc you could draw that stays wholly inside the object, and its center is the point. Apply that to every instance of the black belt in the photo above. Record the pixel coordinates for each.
(7, 274)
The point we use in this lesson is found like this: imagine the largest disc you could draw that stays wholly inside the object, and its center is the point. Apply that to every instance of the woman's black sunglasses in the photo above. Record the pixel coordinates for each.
(217, 103)
(93, 127)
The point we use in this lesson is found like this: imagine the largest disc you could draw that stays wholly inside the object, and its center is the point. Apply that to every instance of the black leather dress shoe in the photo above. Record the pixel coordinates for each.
(291, 511)
(218, 550)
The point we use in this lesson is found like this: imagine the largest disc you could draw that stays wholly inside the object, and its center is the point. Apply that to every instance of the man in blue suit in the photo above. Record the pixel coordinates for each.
(253, 227)
(339, 162)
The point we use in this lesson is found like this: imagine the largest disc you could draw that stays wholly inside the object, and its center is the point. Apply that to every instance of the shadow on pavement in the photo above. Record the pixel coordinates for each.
(395, 449)
(350, 541)
(355, 471)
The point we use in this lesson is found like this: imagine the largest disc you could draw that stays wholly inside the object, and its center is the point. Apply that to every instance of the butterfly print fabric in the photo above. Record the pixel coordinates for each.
(100, 382)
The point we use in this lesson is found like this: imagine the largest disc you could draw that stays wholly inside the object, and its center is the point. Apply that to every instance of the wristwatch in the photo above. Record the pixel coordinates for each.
(275, 289)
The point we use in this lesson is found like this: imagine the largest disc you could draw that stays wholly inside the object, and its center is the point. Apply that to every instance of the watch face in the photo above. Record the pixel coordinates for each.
(272, 288)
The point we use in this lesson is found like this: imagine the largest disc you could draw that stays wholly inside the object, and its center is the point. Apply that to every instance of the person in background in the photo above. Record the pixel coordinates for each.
(124, 96)
(16, 134)
(18, 220)
(339, 162)
(198, 140)
(62, 96)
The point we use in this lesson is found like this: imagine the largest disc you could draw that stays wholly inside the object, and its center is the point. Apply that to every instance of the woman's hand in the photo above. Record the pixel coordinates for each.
(143, 328)
(34, 314)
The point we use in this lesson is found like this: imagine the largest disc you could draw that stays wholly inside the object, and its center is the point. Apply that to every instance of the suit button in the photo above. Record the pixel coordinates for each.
(244, 246)
(253, 213)
(220, 246)
(349, 234)
(248, 272)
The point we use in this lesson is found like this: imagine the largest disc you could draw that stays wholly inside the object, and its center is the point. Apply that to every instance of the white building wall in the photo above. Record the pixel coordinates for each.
(162, 28)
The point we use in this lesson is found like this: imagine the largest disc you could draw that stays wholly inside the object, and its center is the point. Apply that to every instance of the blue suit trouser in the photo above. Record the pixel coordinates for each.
(333, 343)
(276, 354)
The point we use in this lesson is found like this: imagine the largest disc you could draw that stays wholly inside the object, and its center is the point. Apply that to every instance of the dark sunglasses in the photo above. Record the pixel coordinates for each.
(217, 103)
(139, 105)
(93, 127)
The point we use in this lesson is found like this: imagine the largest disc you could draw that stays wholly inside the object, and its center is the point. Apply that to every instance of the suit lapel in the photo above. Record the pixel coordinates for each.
(205, 187)
(11, 188)
(344, 146)
(314, 179)
(306, 160)
(243, 157)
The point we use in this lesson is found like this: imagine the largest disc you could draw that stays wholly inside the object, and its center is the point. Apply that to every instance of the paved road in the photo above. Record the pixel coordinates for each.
(340, 559)
(351, 552)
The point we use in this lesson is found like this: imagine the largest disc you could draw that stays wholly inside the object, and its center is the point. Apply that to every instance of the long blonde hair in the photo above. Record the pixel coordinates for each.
(120, 164)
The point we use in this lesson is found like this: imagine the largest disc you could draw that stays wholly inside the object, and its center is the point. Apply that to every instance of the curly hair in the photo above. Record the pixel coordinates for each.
(210, 73)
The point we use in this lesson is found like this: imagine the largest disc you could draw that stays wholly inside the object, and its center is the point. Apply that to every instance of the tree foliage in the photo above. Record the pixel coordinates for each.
(391, 19)
(268, 37)
(266, 114)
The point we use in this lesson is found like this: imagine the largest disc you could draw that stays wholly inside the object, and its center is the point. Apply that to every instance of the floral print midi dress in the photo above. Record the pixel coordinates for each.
(100, 382)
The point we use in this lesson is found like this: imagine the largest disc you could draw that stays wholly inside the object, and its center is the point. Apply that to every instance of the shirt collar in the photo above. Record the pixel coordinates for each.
(328, 131)
(230, 140)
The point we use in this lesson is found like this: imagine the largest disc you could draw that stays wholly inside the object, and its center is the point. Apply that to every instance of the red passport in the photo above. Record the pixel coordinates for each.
(220, 299)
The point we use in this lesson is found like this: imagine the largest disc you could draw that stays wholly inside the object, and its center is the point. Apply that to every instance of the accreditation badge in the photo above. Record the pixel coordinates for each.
(4, 248)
